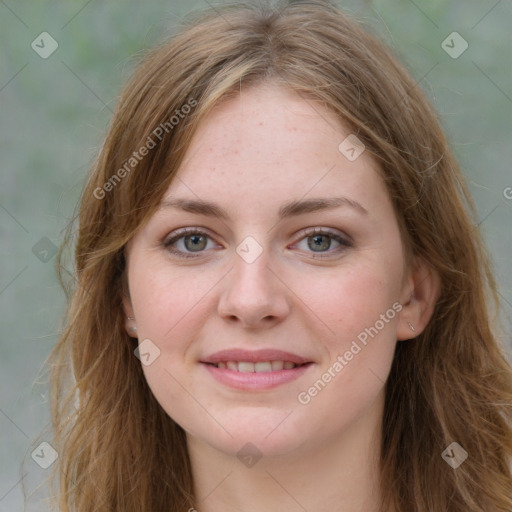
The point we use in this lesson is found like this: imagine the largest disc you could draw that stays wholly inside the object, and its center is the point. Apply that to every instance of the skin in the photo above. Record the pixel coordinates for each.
(251, 155)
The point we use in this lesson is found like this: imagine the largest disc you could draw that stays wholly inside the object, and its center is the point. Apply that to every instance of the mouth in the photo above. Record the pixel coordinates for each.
(255, 370)
(259, 367)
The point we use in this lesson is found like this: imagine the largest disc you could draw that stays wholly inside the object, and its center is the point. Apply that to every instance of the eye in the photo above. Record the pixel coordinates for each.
(185, 242)
(191, 242)
(320, 241)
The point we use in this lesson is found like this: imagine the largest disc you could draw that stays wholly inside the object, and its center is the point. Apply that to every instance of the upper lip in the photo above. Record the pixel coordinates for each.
(254, 356)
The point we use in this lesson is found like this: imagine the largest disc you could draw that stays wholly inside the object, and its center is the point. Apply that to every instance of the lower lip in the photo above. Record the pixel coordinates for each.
(256, 381)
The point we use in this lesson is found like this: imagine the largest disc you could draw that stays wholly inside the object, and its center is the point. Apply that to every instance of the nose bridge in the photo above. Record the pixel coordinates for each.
(251, 261)
(252, 290)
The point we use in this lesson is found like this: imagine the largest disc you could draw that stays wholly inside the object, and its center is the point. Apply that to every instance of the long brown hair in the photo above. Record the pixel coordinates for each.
(118, 449)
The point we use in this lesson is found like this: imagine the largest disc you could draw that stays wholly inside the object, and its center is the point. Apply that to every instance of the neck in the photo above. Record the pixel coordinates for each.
(339, 473)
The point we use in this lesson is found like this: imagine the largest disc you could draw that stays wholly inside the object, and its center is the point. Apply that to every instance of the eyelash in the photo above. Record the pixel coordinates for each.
(183, 233)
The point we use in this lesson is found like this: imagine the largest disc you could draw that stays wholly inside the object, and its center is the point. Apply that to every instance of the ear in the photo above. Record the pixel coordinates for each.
(129, 321)
(421, 290)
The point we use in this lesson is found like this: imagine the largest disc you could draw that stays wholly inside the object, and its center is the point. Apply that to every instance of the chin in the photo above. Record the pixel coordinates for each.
(256, 430)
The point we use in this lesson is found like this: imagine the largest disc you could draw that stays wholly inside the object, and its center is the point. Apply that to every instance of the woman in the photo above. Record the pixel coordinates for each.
(281, 298)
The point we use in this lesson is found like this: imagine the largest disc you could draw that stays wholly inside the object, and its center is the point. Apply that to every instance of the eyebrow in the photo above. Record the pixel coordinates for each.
(289, 209)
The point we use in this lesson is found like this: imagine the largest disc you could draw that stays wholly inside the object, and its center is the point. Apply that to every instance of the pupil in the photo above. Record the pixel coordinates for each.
(317, 243)
(198, 242)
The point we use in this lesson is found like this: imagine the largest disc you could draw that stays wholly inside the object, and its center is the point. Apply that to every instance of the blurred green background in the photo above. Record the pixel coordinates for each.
(54, 112)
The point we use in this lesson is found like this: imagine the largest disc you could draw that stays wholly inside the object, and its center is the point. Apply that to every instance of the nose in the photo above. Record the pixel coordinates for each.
(253, 295)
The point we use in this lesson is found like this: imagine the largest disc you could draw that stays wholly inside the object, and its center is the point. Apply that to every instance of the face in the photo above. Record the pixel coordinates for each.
(268, 285)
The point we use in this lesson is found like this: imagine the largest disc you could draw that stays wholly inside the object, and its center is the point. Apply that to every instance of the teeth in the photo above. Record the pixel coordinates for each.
(277, 365)
(263, 366)
(246, 367)
(259, 367)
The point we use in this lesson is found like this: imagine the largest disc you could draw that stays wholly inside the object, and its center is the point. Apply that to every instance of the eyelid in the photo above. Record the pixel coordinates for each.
(183, 232)
(344, 240)
(325, 231)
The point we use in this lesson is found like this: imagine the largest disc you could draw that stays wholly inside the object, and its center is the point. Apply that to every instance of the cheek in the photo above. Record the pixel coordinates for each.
(349, 300)
(166, 302)
(359, 354)
(357, 311)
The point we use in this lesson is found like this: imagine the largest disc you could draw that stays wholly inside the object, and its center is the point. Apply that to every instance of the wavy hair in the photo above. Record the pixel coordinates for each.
(118, 449)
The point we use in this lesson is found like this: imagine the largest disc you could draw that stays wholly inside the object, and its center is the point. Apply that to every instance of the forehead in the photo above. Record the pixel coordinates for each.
(269, 145)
